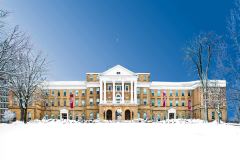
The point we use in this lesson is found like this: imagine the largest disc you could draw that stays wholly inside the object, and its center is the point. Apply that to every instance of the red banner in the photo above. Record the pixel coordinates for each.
(164, 98)
(189, 104)
(71, 101)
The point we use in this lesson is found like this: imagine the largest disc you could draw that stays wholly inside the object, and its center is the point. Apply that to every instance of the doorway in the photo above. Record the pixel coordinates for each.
(109, 115)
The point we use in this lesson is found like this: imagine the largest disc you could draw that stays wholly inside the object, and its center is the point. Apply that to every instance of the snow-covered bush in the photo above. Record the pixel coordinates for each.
(8, 116)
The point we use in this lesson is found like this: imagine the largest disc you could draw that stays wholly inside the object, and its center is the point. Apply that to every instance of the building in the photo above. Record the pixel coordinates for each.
(3, 98)
(120, 94)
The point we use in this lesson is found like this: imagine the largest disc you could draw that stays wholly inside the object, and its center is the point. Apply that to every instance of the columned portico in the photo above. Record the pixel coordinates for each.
(114, 84)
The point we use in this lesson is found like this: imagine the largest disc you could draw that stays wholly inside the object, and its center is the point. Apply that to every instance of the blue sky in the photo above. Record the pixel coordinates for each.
(93, 35)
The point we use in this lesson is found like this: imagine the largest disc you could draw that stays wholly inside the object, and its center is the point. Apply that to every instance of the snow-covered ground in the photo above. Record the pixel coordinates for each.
(66, 140)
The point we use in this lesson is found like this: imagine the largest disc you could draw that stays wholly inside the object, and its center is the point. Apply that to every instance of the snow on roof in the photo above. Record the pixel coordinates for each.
(183, 85)
(66, 84)
(153, 85)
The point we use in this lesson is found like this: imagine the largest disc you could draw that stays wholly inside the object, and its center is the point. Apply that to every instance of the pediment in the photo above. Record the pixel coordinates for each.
(118, 70)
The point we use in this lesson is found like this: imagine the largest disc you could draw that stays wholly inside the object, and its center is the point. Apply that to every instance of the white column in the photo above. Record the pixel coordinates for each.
(105, 93)
(114, 99)
(135, 92)
(131, 93)
(123, 92)
(100, 91)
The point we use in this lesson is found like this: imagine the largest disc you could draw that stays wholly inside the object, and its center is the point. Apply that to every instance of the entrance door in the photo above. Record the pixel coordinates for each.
(109, 115)
(127, 115)
(171, 115)
(64, 115)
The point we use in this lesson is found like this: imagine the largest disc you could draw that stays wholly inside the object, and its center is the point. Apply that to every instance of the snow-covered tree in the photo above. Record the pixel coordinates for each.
(201, 53)
(28, 83)
(216, 97)
(231, 62)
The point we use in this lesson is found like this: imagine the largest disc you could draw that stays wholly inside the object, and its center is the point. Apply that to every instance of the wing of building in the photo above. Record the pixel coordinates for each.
(121, 93)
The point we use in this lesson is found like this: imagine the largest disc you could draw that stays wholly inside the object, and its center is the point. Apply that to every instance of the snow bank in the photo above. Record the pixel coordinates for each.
(179, 139)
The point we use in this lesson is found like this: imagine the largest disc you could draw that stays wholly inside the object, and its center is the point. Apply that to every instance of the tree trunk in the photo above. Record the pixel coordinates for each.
(205, 106)
(22, 114)
(22, 110)
(25, 115)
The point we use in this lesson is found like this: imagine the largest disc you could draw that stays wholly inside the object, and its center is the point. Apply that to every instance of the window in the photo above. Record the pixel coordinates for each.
(64, 103)
(145, 101)
(76, 117)
(138, 101)
(91, 90)
(126, 88)
(159, 102)
(76, 102)
(118, 72)
(153, 102)
(91, 77)
(46, 117)
(176, 103)
(183, 103)
(70, 117)
(138, 90)
(70, 92)
(182, 93)
(144, 115)
(46, 92)
(83, 103)
(29, 116)
(52, 103)
(189, 93)
(158, 117)
(59, 93)
(83, 92)
(144, 91)
(52, 92)
(76, 93)
(213, 115)
(91, 116)
(176, 93)
(145, 78)
(118, 88)
(91, 101)
(59, 103)
(109, 87)
(159, 93)
(64, 93)
(170, 93)
(170, 103)
(97, 90)
(98, 101)
(46, 103)
(152, 92)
